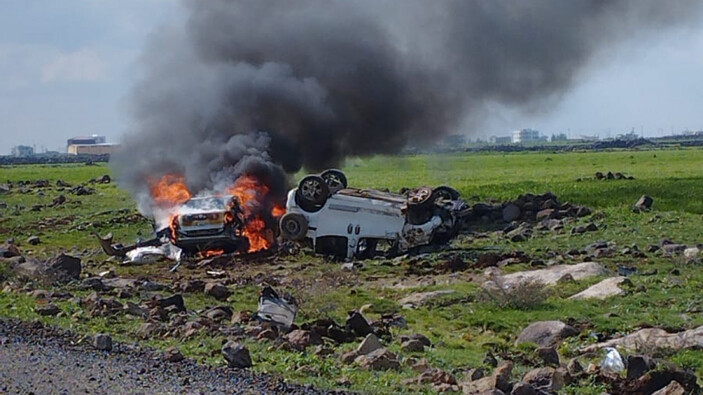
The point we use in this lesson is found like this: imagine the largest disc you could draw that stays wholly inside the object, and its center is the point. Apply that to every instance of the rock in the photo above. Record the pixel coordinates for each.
(499, 380)
(602, 290)
(583, 211)
(102, 342)
(659, 379)
(549, 355)
(94, 283)
(31, 268)
(574, 367)
(551, 275)
(349, 357)
(673, 249)
(523, 389)
(674, 388)
(644, 203)
(420, 298)
(136, 310)
(638, 366)
(511, 212)
(655, 339)
(65, 267)
(217, 291)
(236, 355)
(380, 359)
(546, 333)
(547, 378)
(47, 310)
(33, 240)
(419, 337)
(173, 355)
(412, 346)
(421, 366)
(176, 301)
(192, 286)
(545, 214)
(358, 324)
(148, 331)
(692, 254)
(300, 339)
(368, 345)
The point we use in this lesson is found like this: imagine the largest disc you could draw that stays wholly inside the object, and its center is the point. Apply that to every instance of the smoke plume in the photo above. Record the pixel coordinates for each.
(270, 86)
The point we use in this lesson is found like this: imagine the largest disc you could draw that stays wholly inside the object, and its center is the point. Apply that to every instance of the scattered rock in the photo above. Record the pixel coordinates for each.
(549, 355)
(692, 254)
(420, 298)
(655, 338)
(604, 289)
(65, 267)
(102, 342)
(33, 240)
(551, 275)
(499, 380)
(47, 310)
(673, 249)
(674, 388)
(546, 333)
(549, 378)
(358, 324)
(173, 355)
(511, 212)
(638, 366)
(644, 203)
(217, 291)
(236, 355)
(523, 389)
(368, 345)
(574, 367)
(412, 346)
(299, 339)
(380, 359)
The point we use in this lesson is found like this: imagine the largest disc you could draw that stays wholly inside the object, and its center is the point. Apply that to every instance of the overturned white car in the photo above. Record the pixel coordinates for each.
(349, 222)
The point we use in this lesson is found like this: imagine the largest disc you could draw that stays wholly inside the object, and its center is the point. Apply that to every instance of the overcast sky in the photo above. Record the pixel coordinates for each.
(66, 68)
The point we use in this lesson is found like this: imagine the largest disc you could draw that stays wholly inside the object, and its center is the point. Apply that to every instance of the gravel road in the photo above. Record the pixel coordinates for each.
(44, 360)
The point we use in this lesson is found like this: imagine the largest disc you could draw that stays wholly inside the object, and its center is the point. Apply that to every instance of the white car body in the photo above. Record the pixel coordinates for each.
(357, 214)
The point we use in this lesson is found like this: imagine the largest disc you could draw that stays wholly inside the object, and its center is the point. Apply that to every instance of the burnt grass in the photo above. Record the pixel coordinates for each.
(465, 328)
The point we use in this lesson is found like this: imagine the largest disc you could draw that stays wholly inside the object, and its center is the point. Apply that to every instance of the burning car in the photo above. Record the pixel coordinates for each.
(210, 223)
(351, 222)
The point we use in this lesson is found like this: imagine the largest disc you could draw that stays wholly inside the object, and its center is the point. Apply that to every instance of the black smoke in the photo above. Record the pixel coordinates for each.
(270, 86)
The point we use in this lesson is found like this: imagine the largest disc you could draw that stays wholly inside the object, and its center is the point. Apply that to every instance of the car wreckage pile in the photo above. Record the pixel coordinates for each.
(322, 211)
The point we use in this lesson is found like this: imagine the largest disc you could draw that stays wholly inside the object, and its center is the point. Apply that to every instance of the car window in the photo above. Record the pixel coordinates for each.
(208, 203)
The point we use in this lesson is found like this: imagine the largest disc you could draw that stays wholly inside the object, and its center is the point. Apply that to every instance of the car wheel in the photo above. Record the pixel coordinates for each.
(420, 197)
(446, 193)
(313, 190)
(335, 180)
(293, 226)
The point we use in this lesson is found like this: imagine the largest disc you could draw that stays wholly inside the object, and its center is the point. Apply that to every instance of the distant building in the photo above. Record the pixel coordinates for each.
(86, 140)
(527, 136)
(559, 137)
(500, 140)
(454, 140)
(92, 149)
(22, 151)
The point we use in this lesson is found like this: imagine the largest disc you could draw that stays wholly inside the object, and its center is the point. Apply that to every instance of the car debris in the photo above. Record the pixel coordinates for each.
(275, 309)
(351, 222)
(143, 255)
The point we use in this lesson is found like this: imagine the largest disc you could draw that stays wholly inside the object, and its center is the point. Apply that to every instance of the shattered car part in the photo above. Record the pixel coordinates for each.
(349, 222)
(142, 255)
(119, 250)
(276, 310)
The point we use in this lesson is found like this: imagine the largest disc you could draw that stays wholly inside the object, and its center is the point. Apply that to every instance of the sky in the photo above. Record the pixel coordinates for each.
(66, 69)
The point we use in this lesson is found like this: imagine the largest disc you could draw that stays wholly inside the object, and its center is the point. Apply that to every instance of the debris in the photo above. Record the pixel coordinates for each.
(144, 255)
(602, 290)
(612, 362)
(276, 310)
(236, 355)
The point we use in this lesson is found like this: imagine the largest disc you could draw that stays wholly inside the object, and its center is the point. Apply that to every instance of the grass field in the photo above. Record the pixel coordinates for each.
(462, 326)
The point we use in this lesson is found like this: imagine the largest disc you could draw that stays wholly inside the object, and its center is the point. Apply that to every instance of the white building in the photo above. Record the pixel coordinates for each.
(527, 136)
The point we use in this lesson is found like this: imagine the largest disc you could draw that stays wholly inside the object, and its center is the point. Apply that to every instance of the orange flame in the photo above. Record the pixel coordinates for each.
(250, 192)
(278, 211)
(170, 190)
(211, 253)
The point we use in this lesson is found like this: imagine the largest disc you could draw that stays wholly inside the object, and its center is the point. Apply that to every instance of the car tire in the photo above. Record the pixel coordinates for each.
(312, 192)
(445, 192)
(293, 226)
(420, 197)
(335, 180)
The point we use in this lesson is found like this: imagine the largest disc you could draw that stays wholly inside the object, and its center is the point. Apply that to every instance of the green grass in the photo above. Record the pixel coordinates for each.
(463, 326)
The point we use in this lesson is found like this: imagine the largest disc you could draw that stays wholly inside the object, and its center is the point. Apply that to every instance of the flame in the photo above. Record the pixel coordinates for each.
(170, 190)
(250, 193)
(278, 211)
(211, 253)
